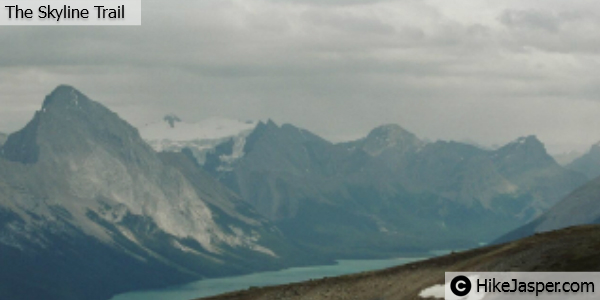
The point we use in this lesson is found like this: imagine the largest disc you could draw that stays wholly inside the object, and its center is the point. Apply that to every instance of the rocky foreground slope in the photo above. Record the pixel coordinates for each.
(571, 249)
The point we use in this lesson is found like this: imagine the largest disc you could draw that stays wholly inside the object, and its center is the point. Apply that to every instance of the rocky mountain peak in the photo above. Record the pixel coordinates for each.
(529, 140)
(595, 148)
(388, 129)
(286, 133)
(595, 151)
(69, 122)
(269, 124)
(171, 119)
(529, 144)
(390, 136)
(262, 127)
(64, 97)
(522, 154)
(588, 163)
(392, 132)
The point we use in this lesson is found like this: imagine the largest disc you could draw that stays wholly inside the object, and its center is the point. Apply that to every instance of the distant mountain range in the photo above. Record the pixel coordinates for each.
(3, 137)
(589, 163)
(580, 207)
(89, 209)
(389, 189)
(566, 158)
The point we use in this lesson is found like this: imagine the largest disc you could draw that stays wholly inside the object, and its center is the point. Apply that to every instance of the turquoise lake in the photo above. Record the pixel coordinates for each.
(210, 287)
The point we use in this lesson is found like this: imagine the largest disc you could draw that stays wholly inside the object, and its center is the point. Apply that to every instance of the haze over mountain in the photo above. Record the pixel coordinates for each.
(580, 207)
(390, 188)
(589, 163)
(89, 209)
(566, 158)
(3, 137)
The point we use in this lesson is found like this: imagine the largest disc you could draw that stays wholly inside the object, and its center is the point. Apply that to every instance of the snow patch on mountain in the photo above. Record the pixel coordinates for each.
(172, 134)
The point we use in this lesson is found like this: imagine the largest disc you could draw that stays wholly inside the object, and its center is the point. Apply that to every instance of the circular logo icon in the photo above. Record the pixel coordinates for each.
(460, 286)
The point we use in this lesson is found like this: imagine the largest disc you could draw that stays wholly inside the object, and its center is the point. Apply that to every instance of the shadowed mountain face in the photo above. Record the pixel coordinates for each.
(88, 209)
(580, 207)
(589, 163)
(390, 191)
(568, 250)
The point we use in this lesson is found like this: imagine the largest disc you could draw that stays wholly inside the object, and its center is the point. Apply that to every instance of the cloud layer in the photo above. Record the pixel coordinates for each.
(481, 70)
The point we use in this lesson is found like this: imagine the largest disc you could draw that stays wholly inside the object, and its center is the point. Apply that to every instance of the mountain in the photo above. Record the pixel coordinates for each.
(567, 250)
(2, 138)
(466, 174)
(526, 163)
(389, 192)
(90, 210)
(173, 134)
(589, 163)
(390, 138)
(580, 207)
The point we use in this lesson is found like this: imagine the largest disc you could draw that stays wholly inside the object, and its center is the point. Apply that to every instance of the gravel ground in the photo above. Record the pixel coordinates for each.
(571, 249)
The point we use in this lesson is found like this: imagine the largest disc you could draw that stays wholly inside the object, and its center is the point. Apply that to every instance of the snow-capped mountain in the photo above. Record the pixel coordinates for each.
(88, 209)
(172, 134)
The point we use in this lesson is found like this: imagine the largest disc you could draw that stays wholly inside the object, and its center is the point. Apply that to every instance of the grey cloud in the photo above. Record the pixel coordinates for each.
(348, 23)
(335, 69)
(334, 2)
(530, 19)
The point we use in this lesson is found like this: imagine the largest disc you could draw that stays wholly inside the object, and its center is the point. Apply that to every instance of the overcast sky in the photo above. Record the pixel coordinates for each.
(485, 70)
